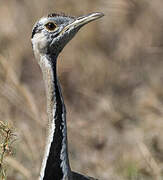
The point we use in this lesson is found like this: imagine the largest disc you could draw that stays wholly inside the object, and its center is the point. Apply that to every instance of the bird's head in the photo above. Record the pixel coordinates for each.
(50, 34)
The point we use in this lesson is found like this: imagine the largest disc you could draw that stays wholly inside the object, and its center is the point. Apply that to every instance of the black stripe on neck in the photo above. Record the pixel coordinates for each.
(53, 170)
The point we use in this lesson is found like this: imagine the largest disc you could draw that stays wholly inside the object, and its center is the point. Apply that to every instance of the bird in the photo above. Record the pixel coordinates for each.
(50, 34)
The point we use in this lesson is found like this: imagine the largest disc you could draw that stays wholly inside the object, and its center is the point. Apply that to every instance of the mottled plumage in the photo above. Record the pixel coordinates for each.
(49, 36)
(59, 14)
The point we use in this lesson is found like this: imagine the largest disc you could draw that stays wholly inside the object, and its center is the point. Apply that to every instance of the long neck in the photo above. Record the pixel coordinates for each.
(55, 163)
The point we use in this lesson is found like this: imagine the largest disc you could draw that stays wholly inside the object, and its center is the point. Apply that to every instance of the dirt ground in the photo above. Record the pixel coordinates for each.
(112, 79)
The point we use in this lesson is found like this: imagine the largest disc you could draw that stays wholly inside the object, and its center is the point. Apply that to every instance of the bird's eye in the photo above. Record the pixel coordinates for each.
(50, 26)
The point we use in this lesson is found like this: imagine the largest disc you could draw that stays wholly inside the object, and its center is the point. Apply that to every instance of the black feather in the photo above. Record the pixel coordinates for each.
(59, 14)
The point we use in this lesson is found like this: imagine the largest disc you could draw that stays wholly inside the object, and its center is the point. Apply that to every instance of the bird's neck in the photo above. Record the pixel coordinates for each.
(55, 163)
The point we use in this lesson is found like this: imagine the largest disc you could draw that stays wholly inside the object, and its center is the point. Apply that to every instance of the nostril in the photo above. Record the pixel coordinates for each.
(66, 30)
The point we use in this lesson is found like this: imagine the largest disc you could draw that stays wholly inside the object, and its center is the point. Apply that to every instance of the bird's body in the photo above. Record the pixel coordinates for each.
(50, 35)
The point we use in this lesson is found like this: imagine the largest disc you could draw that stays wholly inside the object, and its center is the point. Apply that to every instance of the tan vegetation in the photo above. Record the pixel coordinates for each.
(112, 79)
(6, 139)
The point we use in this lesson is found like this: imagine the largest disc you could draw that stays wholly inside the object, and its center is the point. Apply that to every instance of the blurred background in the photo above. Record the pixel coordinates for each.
(112, 79)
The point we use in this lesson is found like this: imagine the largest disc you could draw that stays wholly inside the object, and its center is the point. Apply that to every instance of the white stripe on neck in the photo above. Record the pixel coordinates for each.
(51, 110)
(47, 71)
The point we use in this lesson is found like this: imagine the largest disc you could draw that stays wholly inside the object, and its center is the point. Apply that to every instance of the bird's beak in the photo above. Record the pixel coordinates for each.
(82, 20)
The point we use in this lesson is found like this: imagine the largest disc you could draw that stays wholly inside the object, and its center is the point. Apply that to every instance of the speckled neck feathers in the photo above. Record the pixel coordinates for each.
(55, 163)
(49, 36)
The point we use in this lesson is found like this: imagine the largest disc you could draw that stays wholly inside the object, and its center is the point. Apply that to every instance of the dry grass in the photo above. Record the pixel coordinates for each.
(6, 139)
(112, 87)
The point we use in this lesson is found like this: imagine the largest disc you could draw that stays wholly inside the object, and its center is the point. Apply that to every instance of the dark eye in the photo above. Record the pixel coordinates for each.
(50, 26)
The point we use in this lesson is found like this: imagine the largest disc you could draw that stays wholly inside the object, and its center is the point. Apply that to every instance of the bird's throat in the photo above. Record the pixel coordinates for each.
(55, 163)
